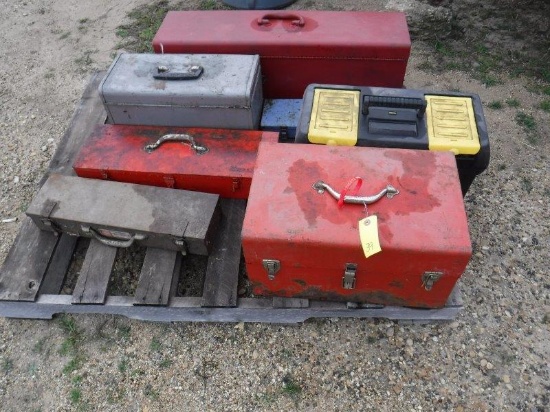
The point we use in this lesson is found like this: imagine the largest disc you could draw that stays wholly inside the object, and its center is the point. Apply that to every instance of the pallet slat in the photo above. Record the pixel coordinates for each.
(61, 259)
(26, 263)
(222, 273)
(189, 310)
(158, 278)
(91, 287)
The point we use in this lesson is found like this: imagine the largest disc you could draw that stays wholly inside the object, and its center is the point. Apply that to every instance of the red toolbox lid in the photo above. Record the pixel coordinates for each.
(287, 217)
(118, 152)
(291, 33)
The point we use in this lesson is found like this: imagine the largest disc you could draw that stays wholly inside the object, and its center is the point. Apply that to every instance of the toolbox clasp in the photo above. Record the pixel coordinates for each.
(429, 278)
(348, 280)
(272, 266)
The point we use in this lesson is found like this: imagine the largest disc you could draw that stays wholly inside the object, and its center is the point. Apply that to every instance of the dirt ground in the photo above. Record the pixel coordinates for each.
(494, 356)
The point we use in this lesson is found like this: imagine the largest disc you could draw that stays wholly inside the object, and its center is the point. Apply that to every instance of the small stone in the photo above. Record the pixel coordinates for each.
(44, 148)
(435, 339)
(483, 363)
(490, 365)
(16, 179)
(390, 332)
(506, 379)
(409, 342)
(509, 387)
(50, 140)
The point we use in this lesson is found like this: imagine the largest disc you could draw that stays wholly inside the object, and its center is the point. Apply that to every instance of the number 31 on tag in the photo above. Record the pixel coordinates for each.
(368, 233)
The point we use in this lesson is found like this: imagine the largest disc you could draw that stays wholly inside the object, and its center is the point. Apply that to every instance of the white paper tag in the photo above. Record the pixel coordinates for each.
(368, 233)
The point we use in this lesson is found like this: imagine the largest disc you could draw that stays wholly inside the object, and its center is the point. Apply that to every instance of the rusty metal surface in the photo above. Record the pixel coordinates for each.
(424, 228)
(116, 152)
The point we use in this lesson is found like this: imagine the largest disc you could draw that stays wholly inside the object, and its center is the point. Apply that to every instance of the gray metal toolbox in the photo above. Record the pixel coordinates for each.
(117, 214)
(190, 90)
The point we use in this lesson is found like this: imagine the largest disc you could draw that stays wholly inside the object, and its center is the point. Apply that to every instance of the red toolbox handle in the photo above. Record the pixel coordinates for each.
(297, 20)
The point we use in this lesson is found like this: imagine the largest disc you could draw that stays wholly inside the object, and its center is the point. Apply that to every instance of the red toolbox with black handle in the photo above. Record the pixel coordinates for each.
(299, 47)
(215, 161)
(297, 242)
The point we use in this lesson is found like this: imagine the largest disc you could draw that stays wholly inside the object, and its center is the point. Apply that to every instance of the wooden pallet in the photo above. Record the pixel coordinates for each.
(34, 271)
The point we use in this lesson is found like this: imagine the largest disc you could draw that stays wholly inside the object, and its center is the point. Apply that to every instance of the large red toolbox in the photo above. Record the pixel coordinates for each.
(297, 242)
(208, 160)
(299, 47)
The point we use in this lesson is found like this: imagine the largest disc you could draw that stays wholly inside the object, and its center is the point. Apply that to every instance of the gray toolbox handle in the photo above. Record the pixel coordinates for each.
(189, 73)
(415, 103)
(113, 242)
(198, 149)
(389, 191)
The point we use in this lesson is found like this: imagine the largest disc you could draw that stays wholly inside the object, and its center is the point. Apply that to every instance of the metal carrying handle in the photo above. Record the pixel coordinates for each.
(185, 138)
(191, 73)
(389, 191)
(113, 242)
(297, 20)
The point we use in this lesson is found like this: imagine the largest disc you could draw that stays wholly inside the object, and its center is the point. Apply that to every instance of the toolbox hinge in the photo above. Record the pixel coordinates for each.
(348, 281)
(52, 225)
(181, 244)
(429, 278)
(272, 266)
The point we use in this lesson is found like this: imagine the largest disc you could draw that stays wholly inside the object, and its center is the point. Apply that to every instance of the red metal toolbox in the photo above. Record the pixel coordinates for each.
(207, 160)
(299, 47)
(297, 242)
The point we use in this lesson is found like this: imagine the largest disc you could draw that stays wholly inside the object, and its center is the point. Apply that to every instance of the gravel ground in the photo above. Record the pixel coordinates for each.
(495, 356)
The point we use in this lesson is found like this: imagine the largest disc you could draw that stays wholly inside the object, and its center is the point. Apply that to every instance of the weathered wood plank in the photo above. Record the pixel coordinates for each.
(55, 275)
(188, 309)
(222, 273)
(26, 263)
(156, 281)
(87, 115)
(290, 302)
(91, 287)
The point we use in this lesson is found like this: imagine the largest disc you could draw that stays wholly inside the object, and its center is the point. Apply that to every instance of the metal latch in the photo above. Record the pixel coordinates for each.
(429, 278)
(52, 225)
(348, 280)
(181, 244)
(272, 266)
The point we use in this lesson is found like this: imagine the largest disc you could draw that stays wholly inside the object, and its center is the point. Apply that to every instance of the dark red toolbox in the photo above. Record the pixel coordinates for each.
(297, 48)
(208, 160)
(297, 242)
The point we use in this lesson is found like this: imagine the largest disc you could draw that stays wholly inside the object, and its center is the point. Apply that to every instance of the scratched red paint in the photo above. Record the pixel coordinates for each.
(422, 229)
(117, 152)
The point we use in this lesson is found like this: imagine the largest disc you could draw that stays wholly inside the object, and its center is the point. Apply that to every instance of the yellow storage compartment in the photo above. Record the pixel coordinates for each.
(451, 125)
(334, 117)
